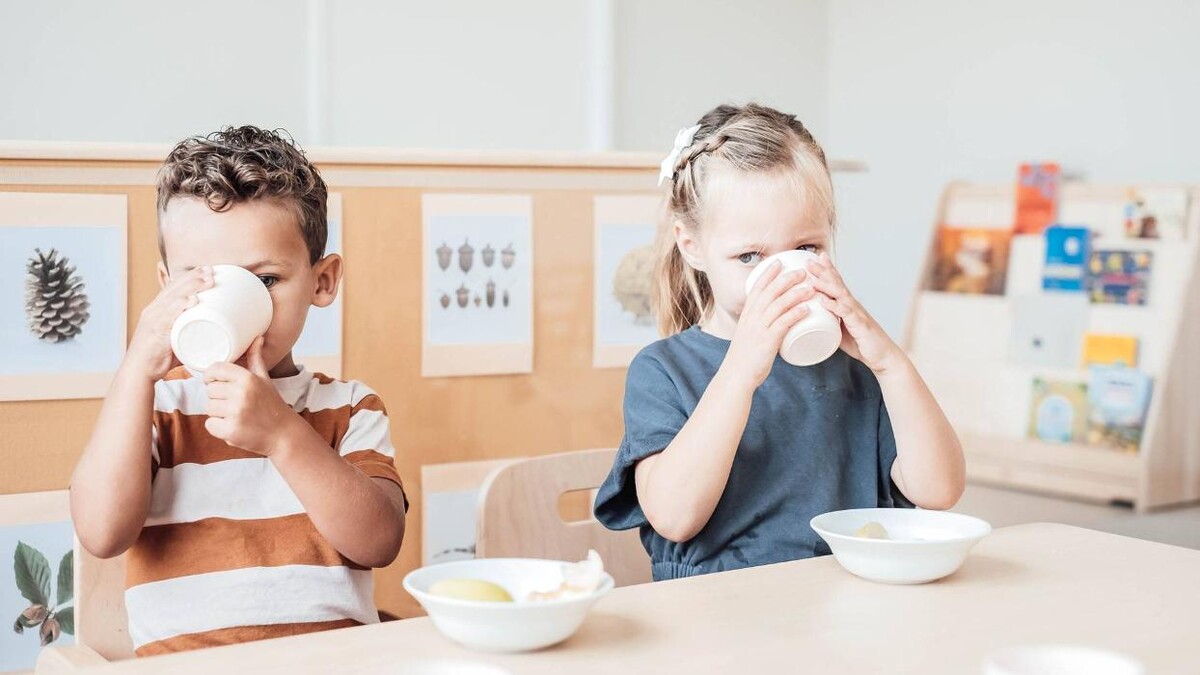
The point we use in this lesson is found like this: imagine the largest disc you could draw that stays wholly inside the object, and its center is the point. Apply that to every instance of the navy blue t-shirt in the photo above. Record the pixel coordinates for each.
(817, 439)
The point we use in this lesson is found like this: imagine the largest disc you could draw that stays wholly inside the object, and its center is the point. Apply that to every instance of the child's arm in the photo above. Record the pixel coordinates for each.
(362, 517)
(110, 489)
(929, 467)
(679, 488)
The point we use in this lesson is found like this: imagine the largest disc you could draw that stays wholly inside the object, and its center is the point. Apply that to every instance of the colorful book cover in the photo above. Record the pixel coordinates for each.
(1059, 411)
(1156, 213)
(1118, 398)
(1066, 258)
(1119, 277)
(970, 260)
(1109, 350)
(1037, 197)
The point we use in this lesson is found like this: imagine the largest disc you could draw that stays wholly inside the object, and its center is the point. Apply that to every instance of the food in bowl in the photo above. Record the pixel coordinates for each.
(921, 546)
(551, 599)
(872, 530)
(471, 589)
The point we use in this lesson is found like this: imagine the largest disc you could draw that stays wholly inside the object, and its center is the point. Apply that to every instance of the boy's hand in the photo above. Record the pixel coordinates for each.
(150, 349)
(862, 336)
(244, 409)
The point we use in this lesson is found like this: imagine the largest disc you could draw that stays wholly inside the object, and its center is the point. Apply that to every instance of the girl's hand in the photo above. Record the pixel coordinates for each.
(774, 305)
(150, 349)
(862, 336)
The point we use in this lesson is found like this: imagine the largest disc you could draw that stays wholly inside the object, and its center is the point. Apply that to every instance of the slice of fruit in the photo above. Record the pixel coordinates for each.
(470, 589)
(871, 530)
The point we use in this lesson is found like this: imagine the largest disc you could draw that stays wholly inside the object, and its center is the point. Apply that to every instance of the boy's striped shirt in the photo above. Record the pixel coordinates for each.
(227, 553)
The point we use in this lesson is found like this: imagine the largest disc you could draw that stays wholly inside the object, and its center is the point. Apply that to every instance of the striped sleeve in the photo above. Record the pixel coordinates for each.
(367, 443)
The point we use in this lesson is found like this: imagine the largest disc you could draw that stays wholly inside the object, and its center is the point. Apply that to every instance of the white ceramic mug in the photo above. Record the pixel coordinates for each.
(225, 321)
(819, 334)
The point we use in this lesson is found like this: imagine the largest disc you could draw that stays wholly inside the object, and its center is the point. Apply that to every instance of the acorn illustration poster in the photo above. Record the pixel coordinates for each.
(62, 294)
(623, 280)
(478, 284)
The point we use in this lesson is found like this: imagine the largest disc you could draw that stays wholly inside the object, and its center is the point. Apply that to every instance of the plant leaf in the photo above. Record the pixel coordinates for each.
(32, 573)
(18, 626)
(66, 577)
(66, 620)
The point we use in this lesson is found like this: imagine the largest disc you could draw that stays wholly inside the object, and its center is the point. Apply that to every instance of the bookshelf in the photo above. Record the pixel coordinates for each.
(961, 344)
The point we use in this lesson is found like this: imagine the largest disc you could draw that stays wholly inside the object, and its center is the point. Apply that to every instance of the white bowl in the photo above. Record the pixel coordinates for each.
(1059, 660)
(503, 626)
(922, 545)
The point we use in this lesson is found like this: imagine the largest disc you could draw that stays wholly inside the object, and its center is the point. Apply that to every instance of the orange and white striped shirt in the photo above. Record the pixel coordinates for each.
(227, 553)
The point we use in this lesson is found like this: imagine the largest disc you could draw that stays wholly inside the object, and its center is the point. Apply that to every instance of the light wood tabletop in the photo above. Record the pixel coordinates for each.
(1024, 584)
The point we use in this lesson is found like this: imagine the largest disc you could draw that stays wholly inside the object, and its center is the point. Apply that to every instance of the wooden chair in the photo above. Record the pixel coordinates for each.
(519, 515)
(101, 625)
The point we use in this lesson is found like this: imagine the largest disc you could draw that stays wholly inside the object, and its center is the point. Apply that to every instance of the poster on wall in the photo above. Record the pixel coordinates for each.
(320, 345)
(623, 280)
(477, 291)
(37, 586)
(63, 294)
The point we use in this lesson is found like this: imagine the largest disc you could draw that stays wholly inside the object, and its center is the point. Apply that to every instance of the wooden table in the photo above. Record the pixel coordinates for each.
(1023, 584)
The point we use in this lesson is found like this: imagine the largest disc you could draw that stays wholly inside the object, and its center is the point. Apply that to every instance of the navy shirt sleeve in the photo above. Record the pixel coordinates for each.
(654, 414)
(890, 495)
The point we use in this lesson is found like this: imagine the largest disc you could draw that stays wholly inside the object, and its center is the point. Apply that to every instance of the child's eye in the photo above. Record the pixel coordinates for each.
(268, 280)
(752, 258)
(812, 248)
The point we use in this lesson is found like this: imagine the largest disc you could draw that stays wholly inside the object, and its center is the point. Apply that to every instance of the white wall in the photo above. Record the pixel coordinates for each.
(519, 74)
(675, 59)
(931, 90)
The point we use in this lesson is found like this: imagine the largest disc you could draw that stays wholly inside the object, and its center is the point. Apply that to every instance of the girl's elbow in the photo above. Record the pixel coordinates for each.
(674, 529)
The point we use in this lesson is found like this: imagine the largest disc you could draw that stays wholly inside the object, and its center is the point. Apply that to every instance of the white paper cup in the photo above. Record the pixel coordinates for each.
(1052, 659)
(819, 334)
(227, 318)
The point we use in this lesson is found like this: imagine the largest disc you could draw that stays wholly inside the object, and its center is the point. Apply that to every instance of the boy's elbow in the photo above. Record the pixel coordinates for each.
(102, 545)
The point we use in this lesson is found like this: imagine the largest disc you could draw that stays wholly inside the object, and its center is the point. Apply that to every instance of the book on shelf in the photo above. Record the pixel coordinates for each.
(1037, 197)
(1100, 349)
(1118, 398)
(970, 260)
(1067, 248)
(1059, 411)
(1156, 213)
(1119, 277)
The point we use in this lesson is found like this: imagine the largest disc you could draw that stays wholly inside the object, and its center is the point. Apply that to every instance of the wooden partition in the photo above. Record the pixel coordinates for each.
(565, 404)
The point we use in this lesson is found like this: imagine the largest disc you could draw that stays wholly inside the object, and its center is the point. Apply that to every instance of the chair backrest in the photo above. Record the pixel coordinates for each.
(100, 619)
(519, 515)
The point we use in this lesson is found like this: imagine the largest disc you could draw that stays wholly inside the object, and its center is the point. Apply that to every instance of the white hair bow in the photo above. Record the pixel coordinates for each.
(666, 170)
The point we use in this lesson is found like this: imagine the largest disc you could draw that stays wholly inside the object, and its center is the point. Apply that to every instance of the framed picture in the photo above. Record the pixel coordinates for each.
(320, 345)
(63, 281)
(624, 321)
(478, 285)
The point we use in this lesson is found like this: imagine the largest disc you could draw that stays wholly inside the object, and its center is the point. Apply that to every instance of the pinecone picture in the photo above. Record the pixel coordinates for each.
(55, 302)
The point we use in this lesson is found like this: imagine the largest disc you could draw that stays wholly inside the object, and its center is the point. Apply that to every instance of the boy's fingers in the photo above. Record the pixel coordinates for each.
(254, 358)
(216, 426)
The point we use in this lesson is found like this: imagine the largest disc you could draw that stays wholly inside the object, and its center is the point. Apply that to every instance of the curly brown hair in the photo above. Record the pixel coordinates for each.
(239, 164)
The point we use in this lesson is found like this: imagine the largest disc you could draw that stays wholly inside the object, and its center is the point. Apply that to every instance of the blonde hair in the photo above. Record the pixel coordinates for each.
(750, 138)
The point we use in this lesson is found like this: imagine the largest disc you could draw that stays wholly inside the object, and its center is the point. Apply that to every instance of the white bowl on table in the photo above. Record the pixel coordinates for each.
(516, 626)
(921, 546)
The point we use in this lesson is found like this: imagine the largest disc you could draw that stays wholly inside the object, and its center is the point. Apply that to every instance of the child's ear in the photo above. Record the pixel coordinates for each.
(689, 246)
(329, 277)
(164, 277)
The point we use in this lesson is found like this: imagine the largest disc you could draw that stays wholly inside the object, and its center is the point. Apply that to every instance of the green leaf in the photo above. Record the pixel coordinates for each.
(66, 577)
(32, 573)
(19, 625)
(66, 620)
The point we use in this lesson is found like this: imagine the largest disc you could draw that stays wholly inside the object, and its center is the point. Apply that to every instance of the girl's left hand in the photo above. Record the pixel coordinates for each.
(862, 336)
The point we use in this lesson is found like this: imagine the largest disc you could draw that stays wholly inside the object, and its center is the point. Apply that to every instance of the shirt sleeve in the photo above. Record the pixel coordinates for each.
(890, 495)
(367, 443)
(654, 414)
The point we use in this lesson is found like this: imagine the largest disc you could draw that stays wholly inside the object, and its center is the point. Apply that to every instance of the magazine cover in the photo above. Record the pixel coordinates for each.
(970, 260)
(1037, 197)
(1059, 411)
(1117, 401)
(1120, 277)
(1066, 258)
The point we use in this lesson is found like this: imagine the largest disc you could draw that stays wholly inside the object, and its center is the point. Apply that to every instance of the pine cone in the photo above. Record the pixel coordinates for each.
(55, 302)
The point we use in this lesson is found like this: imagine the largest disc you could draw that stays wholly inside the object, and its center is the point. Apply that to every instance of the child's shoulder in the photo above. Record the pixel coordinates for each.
(355, 393)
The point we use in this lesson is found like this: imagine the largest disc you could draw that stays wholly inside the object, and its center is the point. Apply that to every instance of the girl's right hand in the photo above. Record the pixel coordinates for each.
(150, 349)
(775, 304)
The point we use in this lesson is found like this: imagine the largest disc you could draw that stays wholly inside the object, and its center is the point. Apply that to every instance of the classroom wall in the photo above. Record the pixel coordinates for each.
(927, 91)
